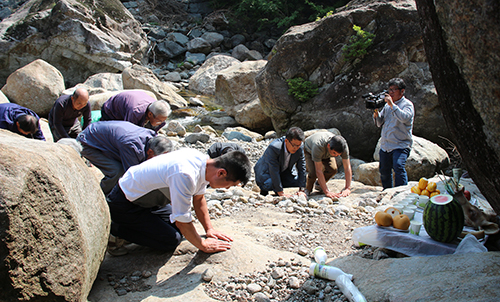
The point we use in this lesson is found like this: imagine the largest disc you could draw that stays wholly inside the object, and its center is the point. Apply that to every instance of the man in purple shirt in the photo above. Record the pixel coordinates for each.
(137, 107)
(115, 146)
(20, 120)
(64, 115)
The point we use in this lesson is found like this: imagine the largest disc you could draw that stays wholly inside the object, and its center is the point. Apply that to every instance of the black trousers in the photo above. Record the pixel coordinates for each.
(139, 225)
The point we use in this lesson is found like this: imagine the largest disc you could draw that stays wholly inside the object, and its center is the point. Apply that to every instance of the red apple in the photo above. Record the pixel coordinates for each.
(467, 194)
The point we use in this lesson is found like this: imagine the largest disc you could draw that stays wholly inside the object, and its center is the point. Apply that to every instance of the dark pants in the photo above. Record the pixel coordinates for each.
(329, 170)
(139, 225)
(289, 179)
(394, 160)
(72, 131)
(111, 168)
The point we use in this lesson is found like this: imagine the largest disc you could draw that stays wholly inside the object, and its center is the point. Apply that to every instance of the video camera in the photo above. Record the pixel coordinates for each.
(375, 101)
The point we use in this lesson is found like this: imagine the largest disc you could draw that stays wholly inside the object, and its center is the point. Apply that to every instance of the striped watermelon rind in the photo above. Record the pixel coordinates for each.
(443, 218)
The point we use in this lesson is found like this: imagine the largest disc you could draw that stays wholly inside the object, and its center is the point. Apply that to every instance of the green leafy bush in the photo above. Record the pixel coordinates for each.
(301, 90)
(358, 44)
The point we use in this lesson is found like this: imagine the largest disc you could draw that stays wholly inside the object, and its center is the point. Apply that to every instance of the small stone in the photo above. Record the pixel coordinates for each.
(207, 275)
(146, 274)
(309, 287)
(278, 273)
(294, 282)
(379, 254)
(303, 251)
(312, 203)
(253, 288)
(121, 292)
(261, 297)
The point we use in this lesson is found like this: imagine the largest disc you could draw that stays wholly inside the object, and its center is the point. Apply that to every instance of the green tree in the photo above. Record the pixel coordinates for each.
(358, 44)
(301, 90)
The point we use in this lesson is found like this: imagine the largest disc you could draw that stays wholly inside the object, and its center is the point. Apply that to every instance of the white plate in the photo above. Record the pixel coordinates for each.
(391, 228)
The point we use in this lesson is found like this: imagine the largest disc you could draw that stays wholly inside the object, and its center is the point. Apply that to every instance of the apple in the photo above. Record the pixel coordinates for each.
(467, 195)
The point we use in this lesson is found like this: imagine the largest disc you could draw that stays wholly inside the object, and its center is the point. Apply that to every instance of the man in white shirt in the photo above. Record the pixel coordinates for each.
(179, 178)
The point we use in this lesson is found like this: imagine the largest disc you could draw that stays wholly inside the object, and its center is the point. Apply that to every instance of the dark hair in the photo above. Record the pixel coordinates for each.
(338, 144)
(397, 82)
(28, 123)
(219, 148)
(237, 165)
(295, 133)
(160, 144)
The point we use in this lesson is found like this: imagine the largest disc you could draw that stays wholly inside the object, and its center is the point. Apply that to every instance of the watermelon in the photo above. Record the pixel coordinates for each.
(443, 218)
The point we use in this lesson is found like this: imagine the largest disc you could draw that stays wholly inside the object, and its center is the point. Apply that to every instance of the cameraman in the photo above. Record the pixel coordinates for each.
(396, 119)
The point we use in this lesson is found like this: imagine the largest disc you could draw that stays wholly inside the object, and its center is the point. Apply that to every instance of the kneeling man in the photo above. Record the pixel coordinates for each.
(115, 146)
(179, 178)
(283, 164)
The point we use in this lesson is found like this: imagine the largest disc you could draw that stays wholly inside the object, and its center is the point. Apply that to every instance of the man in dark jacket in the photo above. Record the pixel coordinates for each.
(283, 164)
(20, 120)
(64, 117)
(137, 107)
(115, 146)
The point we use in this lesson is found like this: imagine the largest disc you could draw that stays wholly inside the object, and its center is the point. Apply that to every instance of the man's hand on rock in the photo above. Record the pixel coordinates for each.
(212, 245)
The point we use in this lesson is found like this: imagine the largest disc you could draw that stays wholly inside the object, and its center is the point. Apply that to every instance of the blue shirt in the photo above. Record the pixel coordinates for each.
(10, 112)
(120, 140)
(397, 124)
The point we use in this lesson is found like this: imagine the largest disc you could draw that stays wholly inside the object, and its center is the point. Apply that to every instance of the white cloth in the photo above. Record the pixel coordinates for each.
(181, 171)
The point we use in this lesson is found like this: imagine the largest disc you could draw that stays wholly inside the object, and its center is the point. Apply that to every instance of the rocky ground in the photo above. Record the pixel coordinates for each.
(281, 233)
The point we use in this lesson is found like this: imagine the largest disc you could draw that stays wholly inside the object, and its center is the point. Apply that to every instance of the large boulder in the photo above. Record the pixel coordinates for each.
(367, 173)
(462, 42)
(54, 222)
(235, 91)
(103, 82)
(425, 159)
(140, 77)
(35, 86)
(80, 38)
(314, 52)
(203, 81)
(467, 277)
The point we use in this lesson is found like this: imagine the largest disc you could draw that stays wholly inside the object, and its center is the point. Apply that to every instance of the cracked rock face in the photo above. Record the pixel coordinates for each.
(78, 38)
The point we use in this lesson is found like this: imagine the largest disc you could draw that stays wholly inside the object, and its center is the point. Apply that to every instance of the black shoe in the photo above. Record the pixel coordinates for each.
(263, 193)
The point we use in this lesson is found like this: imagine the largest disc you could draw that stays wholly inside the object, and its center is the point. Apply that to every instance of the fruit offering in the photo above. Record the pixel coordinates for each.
(393, 211)
(392, 217)
(383, 219)
(443, 218)
(425, 187)
(422, 183)
(401, 222)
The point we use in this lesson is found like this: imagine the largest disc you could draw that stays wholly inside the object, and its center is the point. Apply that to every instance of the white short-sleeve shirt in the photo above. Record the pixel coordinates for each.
(181, 171)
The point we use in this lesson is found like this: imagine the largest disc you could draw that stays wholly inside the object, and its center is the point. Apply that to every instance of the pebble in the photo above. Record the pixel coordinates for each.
(303, 251)
(261, 297)
(253, 288)
(207, 275)
(278, 273)
(294, 282)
